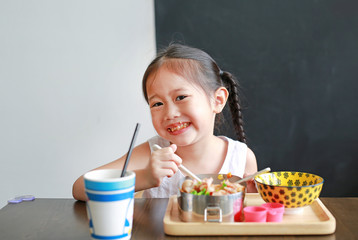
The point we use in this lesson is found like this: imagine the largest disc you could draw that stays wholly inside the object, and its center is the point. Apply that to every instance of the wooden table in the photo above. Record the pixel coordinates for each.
(67, 219)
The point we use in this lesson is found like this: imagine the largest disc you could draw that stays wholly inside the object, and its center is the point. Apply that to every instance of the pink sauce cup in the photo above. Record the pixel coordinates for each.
(255, 214)
(274, 211)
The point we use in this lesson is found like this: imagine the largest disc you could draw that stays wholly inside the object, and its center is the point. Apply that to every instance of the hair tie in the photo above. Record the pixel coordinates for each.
(221, 72)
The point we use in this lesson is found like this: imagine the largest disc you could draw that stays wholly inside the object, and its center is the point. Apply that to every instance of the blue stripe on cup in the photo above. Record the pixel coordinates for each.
(110, 197)
(109, 186)
(109, 237)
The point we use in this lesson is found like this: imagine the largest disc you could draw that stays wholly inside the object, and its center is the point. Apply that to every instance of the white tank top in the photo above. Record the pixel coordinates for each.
(235, 162)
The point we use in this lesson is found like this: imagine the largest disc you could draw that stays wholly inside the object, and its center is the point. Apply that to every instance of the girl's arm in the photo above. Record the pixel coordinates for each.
(139, 159)
(149, 168)
(251, 168)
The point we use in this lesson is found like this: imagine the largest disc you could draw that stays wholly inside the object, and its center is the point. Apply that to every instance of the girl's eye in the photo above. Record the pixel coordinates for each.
(157, 104)
(179, 98)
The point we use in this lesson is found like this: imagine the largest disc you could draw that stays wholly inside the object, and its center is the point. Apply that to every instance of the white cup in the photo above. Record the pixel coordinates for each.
(110, 203)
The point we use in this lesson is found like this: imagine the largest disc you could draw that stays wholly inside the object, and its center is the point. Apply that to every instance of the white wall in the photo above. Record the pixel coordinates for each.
(70, 91)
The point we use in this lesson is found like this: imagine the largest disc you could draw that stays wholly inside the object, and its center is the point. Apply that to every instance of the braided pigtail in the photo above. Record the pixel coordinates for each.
(234, 104)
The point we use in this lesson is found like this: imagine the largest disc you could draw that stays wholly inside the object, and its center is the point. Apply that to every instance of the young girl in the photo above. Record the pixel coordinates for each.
(185, 90)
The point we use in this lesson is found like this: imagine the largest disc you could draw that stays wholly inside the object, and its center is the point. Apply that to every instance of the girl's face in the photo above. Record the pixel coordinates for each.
(181, 111)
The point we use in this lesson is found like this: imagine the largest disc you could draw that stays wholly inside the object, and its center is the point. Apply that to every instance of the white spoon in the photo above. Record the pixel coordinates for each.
(254, 175)
(181, 167)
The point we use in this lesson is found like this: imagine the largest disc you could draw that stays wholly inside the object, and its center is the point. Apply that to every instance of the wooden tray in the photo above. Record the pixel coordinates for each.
(315, 219)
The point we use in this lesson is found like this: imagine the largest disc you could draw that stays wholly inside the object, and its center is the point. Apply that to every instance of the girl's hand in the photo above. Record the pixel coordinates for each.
(250, 185)
(163, 163)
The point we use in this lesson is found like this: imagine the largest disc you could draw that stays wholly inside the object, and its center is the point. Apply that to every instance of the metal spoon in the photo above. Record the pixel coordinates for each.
(254, 175)
(181, 167)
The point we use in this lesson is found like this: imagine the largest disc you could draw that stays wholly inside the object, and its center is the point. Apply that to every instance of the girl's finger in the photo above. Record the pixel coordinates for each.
(251, 187)
(168, 172)
(170, 165)
(174, 147)
(167, 154)
(175, 158)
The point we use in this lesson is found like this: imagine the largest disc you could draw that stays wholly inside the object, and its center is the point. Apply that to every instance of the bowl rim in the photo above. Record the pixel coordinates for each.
(291, 186)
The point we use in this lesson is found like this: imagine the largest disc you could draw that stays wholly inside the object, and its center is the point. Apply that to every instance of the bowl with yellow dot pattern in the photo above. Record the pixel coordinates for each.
(292, 189)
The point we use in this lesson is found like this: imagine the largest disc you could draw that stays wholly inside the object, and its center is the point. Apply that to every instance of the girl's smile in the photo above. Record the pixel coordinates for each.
(178, 128)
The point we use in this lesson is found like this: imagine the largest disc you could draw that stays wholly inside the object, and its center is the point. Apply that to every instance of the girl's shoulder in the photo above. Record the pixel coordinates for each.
(242, 155)
(234, 145)
(237, 147)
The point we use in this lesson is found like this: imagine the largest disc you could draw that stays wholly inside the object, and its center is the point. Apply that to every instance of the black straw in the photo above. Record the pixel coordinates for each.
(130, 149)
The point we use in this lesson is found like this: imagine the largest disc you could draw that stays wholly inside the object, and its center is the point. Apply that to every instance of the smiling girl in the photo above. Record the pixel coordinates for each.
(185, 90)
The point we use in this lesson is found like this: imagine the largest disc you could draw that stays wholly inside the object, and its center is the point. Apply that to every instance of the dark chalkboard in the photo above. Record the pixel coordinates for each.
(297, 64)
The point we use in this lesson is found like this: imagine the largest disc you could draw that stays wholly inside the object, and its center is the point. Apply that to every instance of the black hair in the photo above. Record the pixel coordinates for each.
(200, 67)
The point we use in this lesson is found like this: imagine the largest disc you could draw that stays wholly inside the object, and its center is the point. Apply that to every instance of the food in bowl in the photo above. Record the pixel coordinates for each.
(292, 189)
(207, 187)
(210, 208)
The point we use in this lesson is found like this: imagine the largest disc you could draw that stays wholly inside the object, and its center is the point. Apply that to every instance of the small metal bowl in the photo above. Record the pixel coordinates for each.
(206, 208)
